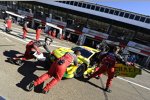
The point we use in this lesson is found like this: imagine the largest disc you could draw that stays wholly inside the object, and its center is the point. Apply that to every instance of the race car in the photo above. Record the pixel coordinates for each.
(85, 63)
(83, 60)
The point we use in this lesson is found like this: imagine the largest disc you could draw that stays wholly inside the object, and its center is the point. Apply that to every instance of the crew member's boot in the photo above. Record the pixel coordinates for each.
(30, 86)
(107, 90)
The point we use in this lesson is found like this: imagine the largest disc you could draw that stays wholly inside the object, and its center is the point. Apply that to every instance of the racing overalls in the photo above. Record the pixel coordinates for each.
(107, 65)
(38, 33)
(50, 33)
(8, 24)
(24, 30)
(31, 47)
(56, 70)
(95, 60)
(53, 34)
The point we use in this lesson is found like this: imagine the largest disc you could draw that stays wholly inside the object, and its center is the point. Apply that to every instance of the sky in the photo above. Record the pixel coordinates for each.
(138, 6)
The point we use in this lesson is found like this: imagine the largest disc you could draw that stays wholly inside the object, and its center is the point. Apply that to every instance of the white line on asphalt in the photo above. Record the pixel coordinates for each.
(13, 37)
(134, 83)
(26, 41)
(43, 39)
(8, 39)
(20, 34)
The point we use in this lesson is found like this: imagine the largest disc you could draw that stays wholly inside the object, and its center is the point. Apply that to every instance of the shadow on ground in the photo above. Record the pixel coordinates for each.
(27, 70)
(101, 88)
(11, 53)
(82, 79)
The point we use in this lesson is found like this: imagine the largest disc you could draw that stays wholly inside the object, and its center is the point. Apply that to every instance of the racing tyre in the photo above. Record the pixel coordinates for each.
(80, 71)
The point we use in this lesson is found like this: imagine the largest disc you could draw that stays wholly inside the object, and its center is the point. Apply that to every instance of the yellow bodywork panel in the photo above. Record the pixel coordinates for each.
(71, 69)
(121, 70)
(89, 70)
(61, 51)
(127, 71)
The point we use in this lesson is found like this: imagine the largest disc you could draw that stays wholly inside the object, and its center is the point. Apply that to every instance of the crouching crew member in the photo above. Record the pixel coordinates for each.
(31, 48)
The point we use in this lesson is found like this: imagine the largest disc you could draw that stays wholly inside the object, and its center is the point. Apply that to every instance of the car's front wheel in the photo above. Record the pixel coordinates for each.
(80, 71)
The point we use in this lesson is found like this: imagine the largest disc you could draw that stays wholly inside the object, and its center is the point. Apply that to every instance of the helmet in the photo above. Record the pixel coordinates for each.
(48, 38)
(77, 52)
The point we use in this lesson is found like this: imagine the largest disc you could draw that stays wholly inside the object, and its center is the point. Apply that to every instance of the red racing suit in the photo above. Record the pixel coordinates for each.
(56, 70)
(8, 23)
(53, 34)
(50, 33)
(38, 33)
(24, 30)
(31, 47)
(108, 64)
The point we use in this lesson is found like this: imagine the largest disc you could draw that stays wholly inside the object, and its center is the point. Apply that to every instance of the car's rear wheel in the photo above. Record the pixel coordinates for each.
(80, 71)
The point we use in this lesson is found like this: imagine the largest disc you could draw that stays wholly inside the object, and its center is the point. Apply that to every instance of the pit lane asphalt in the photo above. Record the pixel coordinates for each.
(13, 79)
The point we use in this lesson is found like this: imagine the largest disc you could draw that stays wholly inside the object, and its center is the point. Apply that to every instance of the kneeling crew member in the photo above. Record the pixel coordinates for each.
(31, 48)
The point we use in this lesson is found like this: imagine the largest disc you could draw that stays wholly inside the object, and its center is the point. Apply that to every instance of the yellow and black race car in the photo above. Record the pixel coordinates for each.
(85, 66)
(83, 60)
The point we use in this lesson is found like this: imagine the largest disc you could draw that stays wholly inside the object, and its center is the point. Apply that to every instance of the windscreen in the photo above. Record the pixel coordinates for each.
(85, 53)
